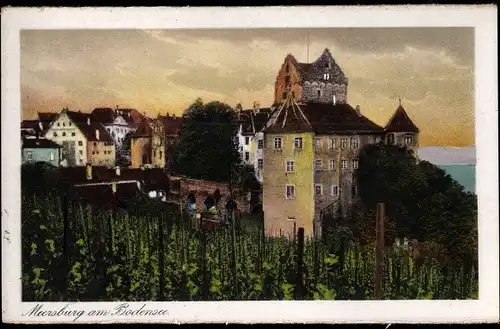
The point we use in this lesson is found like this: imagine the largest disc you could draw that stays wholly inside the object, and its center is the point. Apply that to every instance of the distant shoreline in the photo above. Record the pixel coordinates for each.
(448, 155)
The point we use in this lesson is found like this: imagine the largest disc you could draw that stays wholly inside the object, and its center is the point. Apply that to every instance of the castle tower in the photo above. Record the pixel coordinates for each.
(321, 81)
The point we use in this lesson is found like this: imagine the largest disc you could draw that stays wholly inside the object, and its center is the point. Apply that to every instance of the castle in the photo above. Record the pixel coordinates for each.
(311, 142)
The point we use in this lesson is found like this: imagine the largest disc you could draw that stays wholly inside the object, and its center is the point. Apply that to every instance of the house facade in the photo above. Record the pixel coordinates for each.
(115, 124)
(312, 145)
(41, 150)
(83, 139)
(150, 143)
(251, 139)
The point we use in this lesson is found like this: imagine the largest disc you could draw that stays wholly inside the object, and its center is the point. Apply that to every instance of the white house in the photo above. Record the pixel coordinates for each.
(250, 137)
(115, 124)
(83, 140)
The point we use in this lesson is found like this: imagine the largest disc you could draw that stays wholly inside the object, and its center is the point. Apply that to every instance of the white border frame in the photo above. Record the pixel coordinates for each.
(483, 18)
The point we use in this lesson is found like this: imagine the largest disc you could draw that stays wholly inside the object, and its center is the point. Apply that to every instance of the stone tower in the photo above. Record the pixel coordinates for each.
(321, 81)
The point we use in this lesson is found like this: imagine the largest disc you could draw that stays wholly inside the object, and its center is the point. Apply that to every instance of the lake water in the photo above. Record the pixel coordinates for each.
(464, 174)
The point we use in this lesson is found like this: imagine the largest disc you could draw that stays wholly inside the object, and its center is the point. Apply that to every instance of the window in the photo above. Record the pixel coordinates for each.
(318, 189)
(247, 140)
(332, 165)
(58, 124)
(55, 134)
(355, 164)
(355, 143)
(390, 138)
(260, 164)
(290, 191)
(260, 144)
(64, 133)
(284, 94)
(409, 139)
(69, 123)
(81, 160)
(93, 152)
(64, 124)
(95, 144)
(318, 164)
(290, 166)
(331, 143)
(326, 76)
(241, 148)
(96, 152)
(335, 190)
(161, 154)
(343, 143)
(297, 143)
(343, 164)
(81, 152)
(278, 143)
(317, 143)
(29, 155)
(247, 156)
(319, 93)
(73, 134)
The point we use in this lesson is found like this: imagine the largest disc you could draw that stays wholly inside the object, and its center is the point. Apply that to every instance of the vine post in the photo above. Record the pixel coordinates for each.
(161, 255)
(299, 284)
(379, 247)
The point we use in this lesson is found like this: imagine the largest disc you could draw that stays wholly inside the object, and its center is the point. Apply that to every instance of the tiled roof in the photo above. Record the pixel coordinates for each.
(41, 143)
(143, 130)
(171, 125)
(327, 118)
(401, 122)
(104, 115)
(46, 116)
(132, 116)
(260, 118)
(289, 117)
(323, 118)
(88, 126)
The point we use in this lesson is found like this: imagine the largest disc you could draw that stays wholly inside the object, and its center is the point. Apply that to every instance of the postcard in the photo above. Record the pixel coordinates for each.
(250, 165)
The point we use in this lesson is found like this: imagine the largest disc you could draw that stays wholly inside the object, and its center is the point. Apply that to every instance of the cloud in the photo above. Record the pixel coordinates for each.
(166, 70)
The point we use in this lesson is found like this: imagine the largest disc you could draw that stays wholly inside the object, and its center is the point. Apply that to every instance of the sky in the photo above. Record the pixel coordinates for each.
(163, 71)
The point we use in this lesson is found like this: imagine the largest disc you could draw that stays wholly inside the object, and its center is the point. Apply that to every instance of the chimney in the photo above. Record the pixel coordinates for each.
(89, 171)
(358, 110)
(97, 134)
(88, 121)
(117, 170)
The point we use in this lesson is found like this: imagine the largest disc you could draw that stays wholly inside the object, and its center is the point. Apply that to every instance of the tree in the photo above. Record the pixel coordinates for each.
(123, 153)
(422, 201)
(207, 147)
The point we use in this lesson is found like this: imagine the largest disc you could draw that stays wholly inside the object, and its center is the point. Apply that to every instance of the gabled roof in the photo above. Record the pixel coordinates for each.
(328, 118)
(401, 122)
(46, 116)
(104, 115)
(39, 143)
(89, 126)
(288, 118)
(143, 130)
(132, 116)
(171, 125)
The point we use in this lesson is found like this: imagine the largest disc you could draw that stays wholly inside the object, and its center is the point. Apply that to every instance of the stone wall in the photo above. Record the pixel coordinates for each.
(323, 92)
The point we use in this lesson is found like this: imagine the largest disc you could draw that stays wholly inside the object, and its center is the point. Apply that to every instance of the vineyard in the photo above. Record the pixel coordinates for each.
(72, 253)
